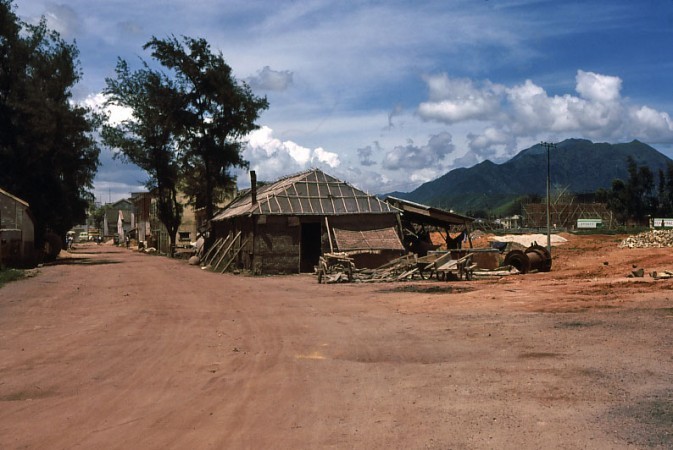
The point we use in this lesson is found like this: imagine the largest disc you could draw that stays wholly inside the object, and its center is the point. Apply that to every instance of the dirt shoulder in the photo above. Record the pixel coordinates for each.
(115, 349)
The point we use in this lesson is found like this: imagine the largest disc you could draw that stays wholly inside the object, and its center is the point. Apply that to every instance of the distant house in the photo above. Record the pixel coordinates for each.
(287, 225)
(151, 232)
(17, 231)
(119, 218)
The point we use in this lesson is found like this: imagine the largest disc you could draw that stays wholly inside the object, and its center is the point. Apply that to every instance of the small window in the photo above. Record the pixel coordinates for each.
(183, 235)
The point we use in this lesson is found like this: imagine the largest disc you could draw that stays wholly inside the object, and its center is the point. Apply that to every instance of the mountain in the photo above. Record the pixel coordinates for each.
(577, 164)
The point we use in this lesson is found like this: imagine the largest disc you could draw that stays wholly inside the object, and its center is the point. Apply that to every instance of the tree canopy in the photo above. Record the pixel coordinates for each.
(216, 112)
(636, 198)
(150, 138)
(48, 153)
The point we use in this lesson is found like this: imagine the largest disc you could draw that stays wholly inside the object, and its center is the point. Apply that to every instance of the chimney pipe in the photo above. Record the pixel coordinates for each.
(253, 186)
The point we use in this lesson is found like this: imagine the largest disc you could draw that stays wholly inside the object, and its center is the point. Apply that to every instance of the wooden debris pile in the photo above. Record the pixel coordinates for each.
(335, 268)
(338, 267)
(665, 275)
(649, 239)
(500, 272)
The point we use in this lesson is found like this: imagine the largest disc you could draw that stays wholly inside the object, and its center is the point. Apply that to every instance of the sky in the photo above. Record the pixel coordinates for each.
(389, 94)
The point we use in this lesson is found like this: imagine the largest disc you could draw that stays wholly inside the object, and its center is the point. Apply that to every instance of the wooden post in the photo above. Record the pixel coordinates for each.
(329, 236)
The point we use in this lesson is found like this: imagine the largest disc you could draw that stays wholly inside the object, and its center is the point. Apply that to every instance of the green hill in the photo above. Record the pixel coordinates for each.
(577, 164)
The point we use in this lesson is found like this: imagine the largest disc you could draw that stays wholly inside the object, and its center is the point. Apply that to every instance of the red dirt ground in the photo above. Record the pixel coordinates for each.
(115, 349)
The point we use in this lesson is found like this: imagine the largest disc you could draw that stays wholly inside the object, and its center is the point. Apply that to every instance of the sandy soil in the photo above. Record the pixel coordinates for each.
(114, 349)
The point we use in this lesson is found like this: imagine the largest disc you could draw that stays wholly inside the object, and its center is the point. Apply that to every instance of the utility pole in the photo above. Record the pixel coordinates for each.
(548, 146)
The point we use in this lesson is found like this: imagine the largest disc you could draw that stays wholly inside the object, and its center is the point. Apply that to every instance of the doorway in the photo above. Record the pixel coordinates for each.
(310, 246)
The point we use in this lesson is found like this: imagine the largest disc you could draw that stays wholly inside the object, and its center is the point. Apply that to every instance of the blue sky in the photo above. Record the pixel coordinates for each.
(390, 94)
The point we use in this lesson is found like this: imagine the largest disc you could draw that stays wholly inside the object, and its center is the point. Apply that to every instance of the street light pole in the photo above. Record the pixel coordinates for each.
(548, 146)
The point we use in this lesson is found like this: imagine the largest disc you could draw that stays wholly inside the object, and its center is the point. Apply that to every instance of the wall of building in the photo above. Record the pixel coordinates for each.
(17, 233)
(273, 244)
(276, 246)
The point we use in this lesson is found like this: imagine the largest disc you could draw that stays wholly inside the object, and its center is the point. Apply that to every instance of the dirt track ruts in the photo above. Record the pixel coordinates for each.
(115, 349)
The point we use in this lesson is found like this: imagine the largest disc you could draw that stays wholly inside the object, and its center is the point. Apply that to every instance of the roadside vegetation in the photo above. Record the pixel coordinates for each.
(9, 275)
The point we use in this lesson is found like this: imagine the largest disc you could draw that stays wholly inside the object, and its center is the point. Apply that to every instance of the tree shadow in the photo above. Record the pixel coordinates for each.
(81, 261)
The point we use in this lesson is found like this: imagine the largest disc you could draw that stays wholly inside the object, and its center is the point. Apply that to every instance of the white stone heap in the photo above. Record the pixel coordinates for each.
(649, 239)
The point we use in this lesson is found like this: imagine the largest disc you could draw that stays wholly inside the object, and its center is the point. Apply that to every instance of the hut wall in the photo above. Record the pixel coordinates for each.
(276, 243)
(276, 247)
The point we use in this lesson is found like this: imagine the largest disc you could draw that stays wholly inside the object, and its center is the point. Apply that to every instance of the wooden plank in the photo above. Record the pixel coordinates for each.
(217, 250)
(407, 273)
(233, 256)
(210, 250)
(238, 235)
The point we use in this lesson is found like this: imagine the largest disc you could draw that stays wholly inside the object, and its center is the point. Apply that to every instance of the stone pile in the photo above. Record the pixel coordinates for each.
(649, 239)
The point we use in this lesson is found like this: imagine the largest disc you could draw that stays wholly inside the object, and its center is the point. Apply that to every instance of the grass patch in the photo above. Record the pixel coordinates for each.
(8, 275)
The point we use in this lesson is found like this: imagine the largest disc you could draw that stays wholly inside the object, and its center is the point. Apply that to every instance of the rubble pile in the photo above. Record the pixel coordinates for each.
(649, 239)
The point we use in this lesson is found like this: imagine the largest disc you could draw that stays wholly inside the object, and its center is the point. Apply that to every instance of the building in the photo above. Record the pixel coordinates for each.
(286, 226)
(119, 219)
(17, 232)
(151, 231)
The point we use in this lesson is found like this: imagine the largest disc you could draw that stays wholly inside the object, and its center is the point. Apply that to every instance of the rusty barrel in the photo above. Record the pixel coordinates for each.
(534, 258)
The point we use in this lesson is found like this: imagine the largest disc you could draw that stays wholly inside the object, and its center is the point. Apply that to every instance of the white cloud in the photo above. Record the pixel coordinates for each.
(456, 100)
(325, 157)
(503, 115)
(598, 88)
(273, 158)
(411, 156)
(116, 114)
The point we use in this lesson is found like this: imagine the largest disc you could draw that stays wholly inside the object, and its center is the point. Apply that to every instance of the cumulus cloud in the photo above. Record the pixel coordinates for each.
(596, 111)
(599, 88)
(456, 100)
(411, 156)
(115, 114)
(273, 158)
(271, 80)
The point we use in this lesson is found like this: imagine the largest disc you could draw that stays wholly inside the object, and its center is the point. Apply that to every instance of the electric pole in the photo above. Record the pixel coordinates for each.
(548, 146)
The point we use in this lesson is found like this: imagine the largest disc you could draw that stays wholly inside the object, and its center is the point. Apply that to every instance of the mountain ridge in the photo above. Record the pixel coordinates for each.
(578, 164)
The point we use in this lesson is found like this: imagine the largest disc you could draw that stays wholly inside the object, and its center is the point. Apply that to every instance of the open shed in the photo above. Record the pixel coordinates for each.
(285, 226)
(417, 219)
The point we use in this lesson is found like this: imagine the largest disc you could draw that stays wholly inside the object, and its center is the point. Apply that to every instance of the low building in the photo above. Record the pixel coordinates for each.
(151, 232)
(287, 225)
(17, 231)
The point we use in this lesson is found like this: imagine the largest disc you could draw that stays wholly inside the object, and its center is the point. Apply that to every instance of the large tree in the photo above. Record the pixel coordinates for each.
(149, 138)
(48, 152)
(217, 112)
(635, 198)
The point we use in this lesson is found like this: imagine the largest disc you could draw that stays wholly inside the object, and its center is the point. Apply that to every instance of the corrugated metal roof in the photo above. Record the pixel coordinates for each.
(427, 214)
(382, 239)
(309, 193)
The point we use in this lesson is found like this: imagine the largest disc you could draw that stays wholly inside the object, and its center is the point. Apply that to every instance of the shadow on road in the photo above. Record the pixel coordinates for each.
(81, 261)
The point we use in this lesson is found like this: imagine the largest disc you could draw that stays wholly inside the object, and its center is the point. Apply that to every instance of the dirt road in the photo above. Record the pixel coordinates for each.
(115, 349)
